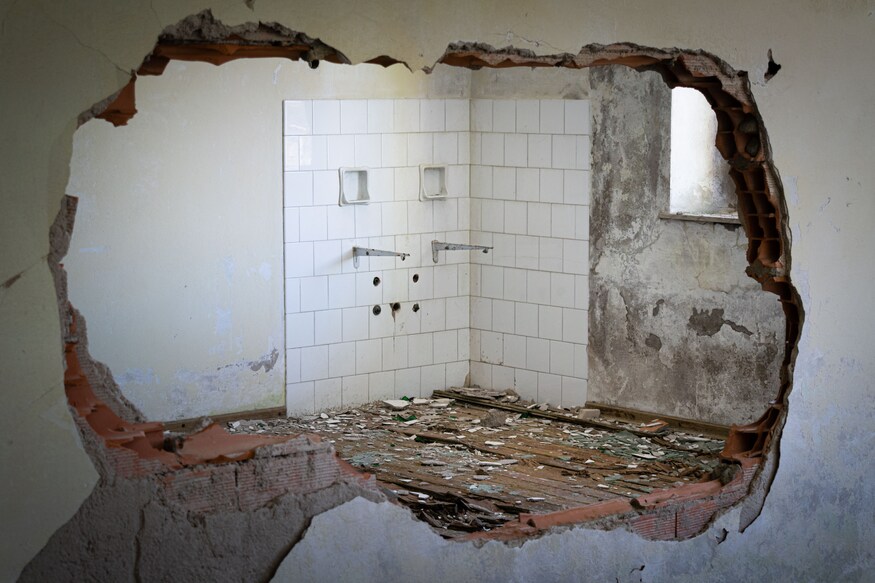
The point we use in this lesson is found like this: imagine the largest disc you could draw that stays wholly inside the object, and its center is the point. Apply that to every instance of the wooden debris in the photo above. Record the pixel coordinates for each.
(461, 475)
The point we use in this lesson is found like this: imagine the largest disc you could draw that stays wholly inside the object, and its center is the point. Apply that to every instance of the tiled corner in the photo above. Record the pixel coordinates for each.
(518, 180)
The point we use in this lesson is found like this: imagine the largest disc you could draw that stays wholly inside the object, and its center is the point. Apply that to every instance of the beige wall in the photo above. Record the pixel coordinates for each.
(60, 59)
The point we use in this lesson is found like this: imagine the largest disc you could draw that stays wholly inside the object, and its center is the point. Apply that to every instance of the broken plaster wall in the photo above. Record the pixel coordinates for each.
(176, 259)
(816, 523)
(676, 326)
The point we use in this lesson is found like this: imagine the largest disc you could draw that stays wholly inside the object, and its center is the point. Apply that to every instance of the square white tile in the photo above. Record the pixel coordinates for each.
(314, 363)
(540, 151)
(299, 330)
(406, 115)
(491, 347)
(445, 346)
(515, 284)
(504, 183)
(313, 152)
(407, 383)
(516, 150)
(434, 315)
(562, 358)
(458, 117)
(353, 116)
(564, 152)
(492, 149)
(432, 117)
(552, 186)
(504, 115)
(341, 291)
(381, 116)
(293, 365)
(341, 359)
(368, 151)
(577, 116)
(326, 116)
(481, 115)
(527, 116)
(314, 293)
(355, 390)
(292, 295)
(515, 217)
(515, 350)
(368, 356)
(575, 327)
(550, 322)
(492, 216)
(576, 257)
(562, 221)
(503, 316)
(328, 393)
(552, 116)
(446, 148)
(355, 323)
(381, 385)
(538, 219)
(458, 312)
(314, 223)
(538, 354)
(327, 257)
(298, 259)
(328, 327)
(420, 349)
(527, 252)
(326, 187)
(526, 321)
(527, 185)
(297, 117)
(562, 290)
(551, 254)
(297, 189)
(291, 153)
(481, 313)
(394, 352)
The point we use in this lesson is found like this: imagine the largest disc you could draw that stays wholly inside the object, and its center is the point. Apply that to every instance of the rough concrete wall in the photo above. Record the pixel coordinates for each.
(816, 523)
(676, 326)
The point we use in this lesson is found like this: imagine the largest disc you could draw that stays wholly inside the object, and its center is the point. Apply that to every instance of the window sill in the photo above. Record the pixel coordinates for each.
(701, 218)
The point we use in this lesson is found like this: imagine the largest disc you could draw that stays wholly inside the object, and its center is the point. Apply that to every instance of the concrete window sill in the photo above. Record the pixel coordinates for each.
(701, 218)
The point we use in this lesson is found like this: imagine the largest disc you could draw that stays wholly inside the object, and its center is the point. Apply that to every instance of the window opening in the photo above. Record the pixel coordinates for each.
(700, 183)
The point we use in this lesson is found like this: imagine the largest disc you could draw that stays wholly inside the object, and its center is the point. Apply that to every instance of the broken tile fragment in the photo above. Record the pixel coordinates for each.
(396, 404)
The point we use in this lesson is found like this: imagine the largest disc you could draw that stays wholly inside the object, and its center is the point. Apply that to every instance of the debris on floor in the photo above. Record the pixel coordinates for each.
(472, 459)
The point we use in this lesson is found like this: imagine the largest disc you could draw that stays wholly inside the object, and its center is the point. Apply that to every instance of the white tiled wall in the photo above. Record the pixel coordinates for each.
(338, 352)
(530, 181)
(515, 317)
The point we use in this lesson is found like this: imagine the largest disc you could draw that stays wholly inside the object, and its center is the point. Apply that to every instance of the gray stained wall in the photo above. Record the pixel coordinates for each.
(676, 326)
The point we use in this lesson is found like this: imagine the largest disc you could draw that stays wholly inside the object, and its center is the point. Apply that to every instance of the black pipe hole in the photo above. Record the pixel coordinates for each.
(396, 306)
(377, 310)
(415, 307)
(415, 277)
(376, 281)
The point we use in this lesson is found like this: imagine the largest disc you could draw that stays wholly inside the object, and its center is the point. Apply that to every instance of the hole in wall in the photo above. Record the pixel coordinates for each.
(760, 199)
